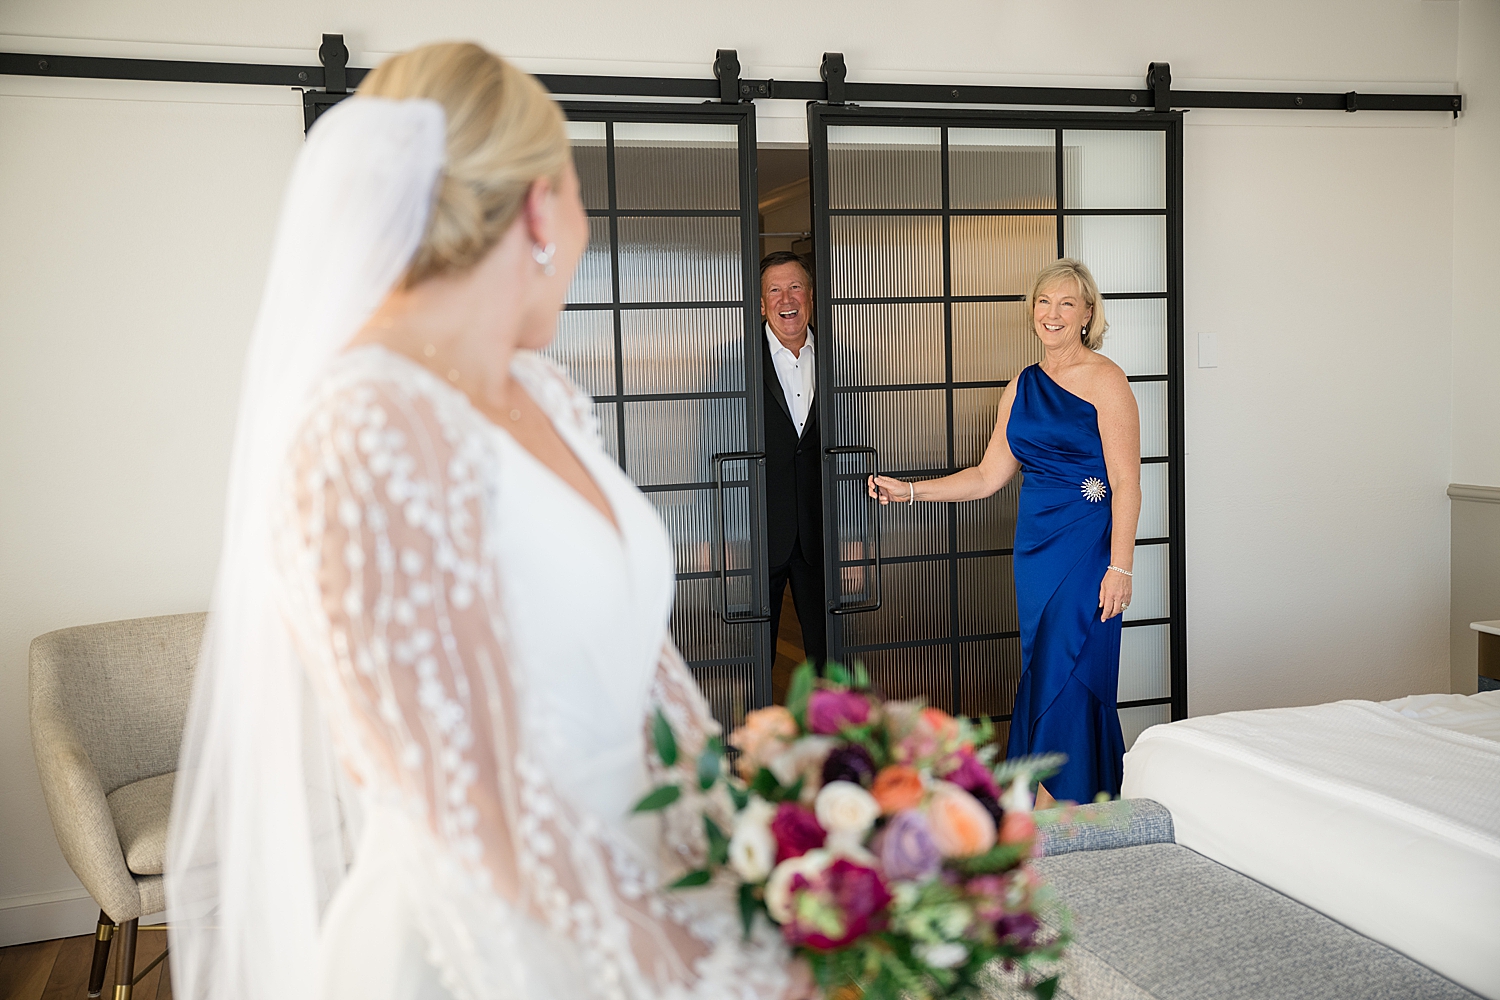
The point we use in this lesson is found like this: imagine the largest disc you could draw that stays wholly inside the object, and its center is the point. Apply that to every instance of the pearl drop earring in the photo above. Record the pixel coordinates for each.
(544, 257)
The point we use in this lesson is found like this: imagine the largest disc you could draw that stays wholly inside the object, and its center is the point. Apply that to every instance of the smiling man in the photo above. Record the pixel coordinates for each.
(794, 483)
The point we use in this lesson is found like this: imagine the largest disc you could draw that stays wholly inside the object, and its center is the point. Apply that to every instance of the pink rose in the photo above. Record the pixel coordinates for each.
(830, 711)
(796, 831)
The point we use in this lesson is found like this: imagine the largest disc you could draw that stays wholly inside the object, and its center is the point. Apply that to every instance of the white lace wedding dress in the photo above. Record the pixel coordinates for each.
(487, 650)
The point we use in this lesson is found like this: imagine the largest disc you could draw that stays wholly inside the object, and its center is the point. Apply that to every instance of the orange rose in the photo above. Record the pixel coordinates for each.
(896, 788)
(765, 734)
(943, 725)
(961, 826)
(1017, 827)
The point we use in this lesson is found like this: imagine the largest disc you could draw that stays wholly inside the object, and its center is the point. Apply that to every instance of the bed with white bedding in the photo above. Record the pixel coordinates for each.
(1384, 816)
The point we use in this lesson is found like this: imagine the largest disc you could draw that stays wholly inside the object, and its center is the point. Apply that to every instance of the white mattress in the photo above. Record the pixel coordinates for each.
(1386, 817)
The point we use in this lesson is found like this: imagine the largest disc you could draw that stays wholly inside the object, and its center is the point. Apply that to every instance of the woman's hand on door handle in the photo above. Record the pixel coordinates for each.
(888, 490)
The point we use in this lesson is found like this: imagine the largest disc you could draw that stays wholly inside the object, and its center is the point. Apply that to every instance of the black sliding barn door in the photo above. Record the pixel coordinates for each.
(662, 327)
(930, 226)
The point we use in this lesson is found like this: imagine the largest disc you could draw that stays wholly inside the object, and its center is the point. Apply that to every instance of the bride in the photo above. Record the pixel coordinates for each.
(440, 622)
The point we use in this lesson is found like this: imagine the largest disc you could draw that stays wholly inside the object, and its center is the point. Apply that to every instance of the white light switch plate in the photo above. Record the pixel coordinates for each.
(1208, 349)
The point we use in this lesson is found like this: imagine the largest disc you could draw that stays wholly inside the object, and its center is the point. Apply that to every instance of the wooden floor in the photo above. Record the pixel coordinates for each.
(59, 970)
(788, 649)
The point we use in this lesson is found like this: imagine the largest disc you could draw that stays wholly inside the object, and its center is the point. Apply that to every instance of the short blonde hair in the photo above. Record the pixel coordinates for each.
(504, 132)
(1069, 269)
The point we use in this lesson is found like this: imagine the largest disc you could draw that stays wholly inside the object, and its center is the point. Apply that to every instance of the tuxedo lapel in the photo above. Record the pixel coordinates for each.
(773, 383)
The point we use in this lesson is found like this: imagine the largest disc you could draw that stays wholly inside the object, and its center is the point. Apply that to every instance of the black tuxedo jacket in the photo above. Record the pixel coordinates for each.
(794, 476)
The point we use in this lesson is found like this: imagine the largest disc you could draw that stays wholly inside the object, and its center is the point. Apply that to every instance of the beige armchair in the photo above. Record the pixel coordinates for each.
(108, 707)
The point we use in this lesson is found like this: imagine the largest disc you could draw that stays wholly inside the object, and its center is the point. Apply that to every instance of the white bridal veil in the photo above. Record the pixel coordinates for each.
(256, 848)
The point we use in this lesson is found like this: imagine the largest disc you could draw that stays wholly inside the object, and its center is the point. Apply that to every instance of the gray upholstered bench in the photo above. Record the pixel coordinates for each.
(1155, 921)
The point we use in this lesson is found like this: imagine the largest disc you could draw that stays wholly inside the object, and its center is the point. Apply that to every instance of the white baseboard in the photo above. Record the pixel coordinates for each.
(42, 916)
(1481, 494)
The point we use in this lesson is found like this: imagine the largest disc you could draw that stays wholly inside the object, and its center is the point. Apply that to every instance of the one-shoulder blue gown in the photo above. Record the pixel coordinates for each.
(1070, 660)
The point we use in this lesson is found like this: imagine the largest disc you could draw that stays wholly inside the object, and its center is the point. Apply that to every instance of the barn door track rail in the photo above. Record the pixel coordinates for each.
(328, 83)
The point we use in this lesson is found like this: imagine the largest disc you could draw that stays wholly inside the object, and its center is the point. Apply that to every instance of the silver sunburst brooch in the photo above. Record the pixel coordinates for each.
(1093, 489)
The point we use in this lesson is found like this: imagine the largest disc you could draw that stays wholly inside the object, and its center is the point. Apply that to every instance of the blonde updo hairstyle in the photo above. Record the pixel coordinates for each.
(1063, 271)
(504, 132)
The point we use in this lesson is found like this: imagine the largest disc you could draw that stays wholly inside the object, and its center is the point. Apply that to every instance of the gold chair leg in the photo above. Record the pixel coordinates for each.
(102, 936)
(125, 971)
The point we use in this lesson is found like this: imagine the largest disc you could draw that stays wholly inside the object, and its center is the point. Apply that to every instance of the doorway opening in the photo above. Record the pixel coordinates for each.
(785, 215)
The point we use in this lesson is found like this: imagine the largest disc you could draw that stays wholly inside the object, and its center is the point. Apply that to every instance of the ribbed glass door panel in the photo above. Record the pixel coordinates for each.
(1002, 168)
(657, 325)
(677, 165)
(1127, 253)
(1137, 337)
(885, 168)
(1113, 170)
(886, 257)
(930, 228)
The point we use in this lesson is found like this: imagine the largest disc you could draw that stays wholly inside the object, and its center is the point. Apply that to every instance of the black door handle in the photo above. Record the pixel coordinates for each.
(721, 541)
(873, 521)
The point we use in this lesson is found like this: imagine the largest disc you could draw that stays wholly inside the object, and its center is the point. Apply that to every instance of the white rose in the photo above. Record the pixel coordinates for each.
(803, 759)
(944, 955)
(848, 845)
(757, 812)
(779, 887)
(842, 807)
(752, 851)
(1017, 798)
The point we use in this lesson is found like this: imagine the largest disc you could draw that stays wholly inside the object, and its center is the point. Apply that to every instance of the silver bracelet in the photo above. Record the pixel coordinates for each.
(1119, 570)
(913, 487)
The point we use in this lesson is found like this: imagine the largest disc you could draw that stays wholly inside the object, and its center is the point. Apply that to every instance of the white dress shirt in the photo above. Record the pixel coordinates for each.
(797, 375)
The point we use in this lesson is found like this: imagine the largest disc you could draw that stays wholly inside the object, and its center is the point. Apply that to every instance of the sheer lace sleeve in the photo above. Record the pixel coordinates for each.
(394, 597)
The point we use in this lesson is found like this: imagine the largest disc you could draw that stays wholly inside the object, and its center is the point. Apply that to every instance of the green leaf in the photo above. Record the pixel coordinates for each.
(708, 768)
(738, 795)
(1000, 858)
(658, 798)
(718, 844)
(1039, 766)
(666, 742)
(748, 905)
(861, 675)
(765, 785)
(691, 879)
(838, 674)
(798, 692)
(1046, 989)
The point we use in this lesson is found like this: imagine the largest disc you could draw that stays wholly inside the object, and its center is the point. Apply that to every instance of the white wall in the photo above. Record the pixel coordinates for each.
(1317, 530)
(1320, 250)
(136, 231)
(1476, 339)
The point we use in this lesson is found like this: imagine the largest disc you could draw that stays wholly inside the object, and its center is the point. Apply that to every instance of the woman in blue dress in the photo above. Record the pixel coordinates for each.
(1070, 426)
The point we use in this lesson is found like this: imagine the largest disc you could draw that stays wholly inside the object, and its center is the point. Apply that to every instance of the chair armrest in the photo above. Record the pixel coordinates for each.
(81, 818)
(1105, 826)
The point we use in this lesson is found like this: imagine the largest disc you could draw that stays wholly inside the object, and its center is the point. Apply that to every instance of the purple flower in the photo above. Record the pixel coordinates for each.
(835, 907)
(796, 831)
(907, 849)
(830, 711)
(1017, 929)
(973, 777)
(986, 895)
(850, 762)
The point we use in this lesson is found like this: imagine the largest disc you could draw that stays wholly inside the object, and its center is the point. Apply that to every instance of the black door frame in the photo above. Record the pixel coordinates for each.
(819, 118)
(757, 616)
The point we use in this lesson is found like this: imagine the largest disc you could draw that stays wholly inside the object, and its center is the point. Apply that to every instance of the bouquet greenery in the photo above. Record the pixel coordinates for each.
(881, 838)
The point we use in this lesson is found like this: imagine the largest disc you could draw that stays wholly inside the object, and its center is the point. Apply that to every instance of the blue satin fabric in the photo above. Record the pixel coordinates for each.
(1070, 660)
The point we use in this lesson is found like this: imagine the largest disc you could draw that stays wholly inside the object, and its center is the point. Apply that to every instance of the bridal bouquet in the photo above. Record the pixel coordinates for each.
(878, 836)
